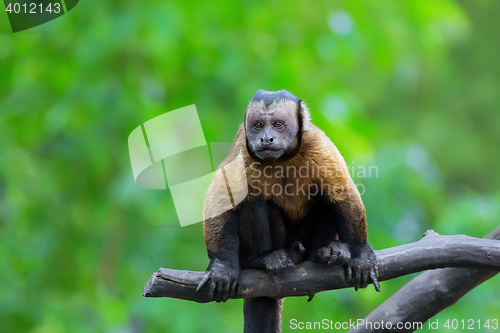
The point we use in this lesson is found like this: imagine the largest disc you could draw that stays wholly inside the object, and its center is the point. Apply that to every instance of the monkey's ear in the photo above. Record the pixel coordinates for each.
(304, 116)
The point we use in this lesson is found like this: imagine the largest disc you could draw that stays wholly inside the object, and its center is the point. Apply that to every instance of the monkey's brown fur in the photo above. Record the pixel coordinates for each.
(318, 150)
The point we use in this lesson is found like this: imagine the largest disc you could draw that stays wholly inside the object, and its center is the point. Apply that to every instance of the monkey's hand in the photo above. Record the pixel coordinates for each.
(222, 279)
(277, 261)
(362, 269)
(335, 253)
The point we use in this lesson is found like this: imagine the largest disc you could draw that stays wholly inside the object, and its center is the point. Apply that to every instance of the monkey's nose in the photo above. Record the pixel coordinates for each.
(267, 140)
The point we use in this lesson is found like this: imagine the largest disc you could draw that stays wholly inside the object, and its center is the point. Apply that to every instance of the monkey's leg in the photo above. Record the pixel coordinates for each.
(324, 244)
(263, 236)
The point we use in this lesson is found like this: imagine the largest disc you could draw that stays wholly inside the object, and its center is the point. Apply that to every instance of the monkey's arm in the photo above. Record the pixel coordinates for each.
(220, 227)
(222, 242)
(351, 223)
(263, 237)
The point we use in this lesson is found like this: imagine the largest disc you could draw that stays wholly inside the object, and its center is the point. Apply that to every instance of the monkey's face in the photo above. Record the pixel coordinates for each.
(272, 132)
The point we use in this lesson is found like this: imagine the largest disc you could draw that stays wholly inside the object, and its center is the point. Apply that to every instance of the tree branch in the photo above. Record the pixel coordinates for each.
(426, 295)
(432, 251)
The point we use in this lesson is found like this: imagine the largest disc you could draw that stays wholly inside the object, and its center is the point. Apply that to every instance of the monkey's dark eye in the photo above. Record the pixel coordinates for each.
(258, 125)
(278, 124)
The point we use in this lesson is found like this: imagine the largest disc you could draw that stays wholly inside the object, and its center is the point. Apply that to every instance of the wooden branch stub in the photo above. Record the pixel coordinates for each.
(177, 284)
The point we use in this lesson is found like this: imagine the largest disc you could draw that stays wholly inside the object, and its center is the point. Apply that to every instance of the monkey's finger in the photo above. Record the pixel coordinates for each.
(222, 289)
(226, 290)
(364, 280)
(357, 278)
(270, 269)
(273, 269)
(218, 292)
(211, 284)
(374, 277)
(348, 272)
(234, 288)
(322, 259)
(302, 249)
(338, 258)
(223, 292)
(203, 281)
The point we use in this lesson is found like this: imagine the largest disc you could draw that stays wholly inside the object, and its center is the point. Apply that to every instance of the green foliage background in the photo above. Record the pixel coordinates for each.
(411, 87)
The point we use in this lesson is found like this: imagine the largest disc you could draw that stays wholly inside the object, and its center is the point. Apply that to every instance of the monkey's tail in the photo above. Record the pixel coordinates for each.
(262, 315)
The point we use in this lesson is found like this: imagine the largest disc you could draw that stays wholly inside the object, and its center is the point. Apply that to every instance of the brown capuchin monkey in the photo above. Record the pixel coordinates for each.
(301, 205)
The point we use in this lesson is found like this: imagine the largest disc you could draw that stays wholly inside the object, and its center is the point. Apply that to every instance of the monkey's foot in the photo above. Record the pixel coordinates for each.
(363, 270)
(277, 261)
(296, 252)
(335, 253)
